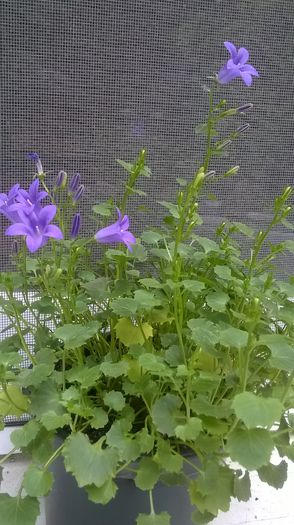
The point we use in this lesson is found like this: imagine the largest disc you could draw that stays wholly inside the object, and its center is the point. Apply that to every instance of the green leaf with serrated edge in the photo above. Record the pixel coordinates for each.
(102, 494)
(124, 306)
(37, 482)
(51, 421)
(214, 426)
(151, 283)
(114, 369)
(251, 448)
(274, 475)
(171, 207)
(153, 519)
(217, 301)
(282, 352)
(36, 375)
(154, 364)
(105, 209)
(114, 400)
(14, 405)
(146, 441)
(190, 430)
(208, 245)
(97, 288)
(242, 487)
(165, 414)
(146, 300)
(147, 474)
(86, 377)
(257, 411)
(130, 334)
(167, 458)
(224, 272)
(151, 237)
(10, 359)
(201, 405)
(99, 419)
(75, 335)
(201, 518)
(204, 332)
(215, 485)
(243, 228)
(21, 437)
(19, 511)
(89, 464)
(233, 337)
(46, 399)
(174, 355)
(192, 285)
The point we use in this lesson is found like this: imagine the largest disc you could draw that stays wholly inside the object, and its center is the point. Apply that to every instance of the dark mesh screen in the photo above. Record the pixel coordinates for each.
(85, 82)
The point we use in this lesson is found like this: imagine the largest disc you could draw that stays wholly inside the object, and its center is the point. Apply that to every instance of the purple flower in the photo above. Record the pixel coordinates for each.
(79, 193)
(8, 206)
(74, 183)
(117, 232)
(36, 159)
(61, 179)
(236, 66)
(30, 200)
(75, 225)
(36, 227)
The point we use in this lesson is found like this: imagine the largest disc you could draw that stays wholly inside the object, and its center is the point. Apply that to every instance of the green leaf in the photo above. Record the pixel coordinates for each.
(243, 228)
(154, 364)
(257, 411)
(146, 300)
(86, 377)
(19, 511)
(130, 334)
(89, 464)
(46, 399)
(124, 306)
(192, 285)
(166, 457)
(233, 337)
(14, 405)
(52, 421)
(114, 400)
(151, 237)
(114, 369)
(242, 487)
(224, 272)
(251, 448)
(171, 207)
(165, 413)
(217, 300)
(99, 419)
(10, 359)
(36, 375)
(102, 494)
(147, 474)
(174, 355)
(44, 305)
(153, 519)
(282, 352)
(37, 482)
(151, 283)
(204, 332)
(75, 335)
(105, 209)
(202, 405)
(190, 431)
(215, 484)
(97, 288)
(201, 518)
(274, 475)
(21, 437)
(208, 245)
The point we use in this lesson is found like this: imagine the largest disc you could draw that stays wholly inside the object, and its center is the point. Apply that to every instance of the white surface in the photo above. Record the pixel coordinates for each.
(267, 506)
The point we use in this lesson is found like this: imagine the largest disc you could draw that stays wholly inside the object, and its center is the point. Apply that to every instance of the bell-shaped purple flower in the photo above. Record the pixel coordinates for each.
(8, 205)
(117, 232)
(30, 200)
(34, 157)
(36, 227)
(237, 66)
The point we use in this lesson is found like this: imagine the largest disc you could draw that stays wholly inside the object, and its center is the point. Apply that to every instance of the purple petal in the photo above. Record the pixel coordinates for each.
(243, 56)
(249, 69)
(119, 214)
(18, 229)
(124, 223)
(47, 214)
(246, 77)
(128, 239)
(34, 242)
(226, 74)
(53, 231)
(231, 49)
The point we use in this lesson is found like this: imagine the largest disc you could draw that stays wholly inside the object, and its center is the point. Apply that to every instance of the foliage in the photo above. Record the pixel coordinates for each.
(183, 345)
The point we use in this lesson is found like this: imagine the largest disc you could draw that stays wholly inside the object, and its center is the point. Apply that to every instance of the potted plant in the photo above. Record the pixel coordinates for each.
(155, 365)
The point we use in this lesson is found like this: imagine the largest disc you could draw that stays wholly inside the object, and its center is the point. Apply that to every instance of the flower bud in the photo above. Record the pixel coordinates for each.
(244, 108)
(232, 171)
(15, 247)
(240, 129)
(34, 157)
(210, 174)
(75, 225)
(61, 179)
(78, 194)
(224, 144)
(74, 183)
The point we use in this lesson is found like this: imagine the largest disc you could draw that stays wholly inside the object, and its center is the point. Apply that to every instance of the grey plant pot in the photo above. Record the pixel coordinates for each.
(69, 505)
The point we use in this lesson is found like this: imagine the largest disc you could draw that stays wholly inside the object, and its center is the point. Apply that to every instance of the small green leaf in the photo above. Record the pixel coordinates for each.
(99, 419)
(165, 413)
(105, 209)
(217, 300)
(102, 494)
(151, 283)
(251, 448)
(37, 482)
(233, 337)
(151, 237)
(14, 405)
(204, 332)
(21, 437)
(146, 300)
(171, 207)
(130, 334)
(224, 272)
(89, 464)
(167, 458)
(52, 421)
(243, 228)
(282, 352)
(124, 306)
(19, 511)
(274, 475)
(190, 431)
(193, 286)
(154, 364)
(208, 245)
(242, 487)
(114, 369)
(75, 335)
(97, 288)
(86, 377)
(147, 474)
(257, 411)
(114, 400)
(202, 405)
(153, 519)
(36, 375)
